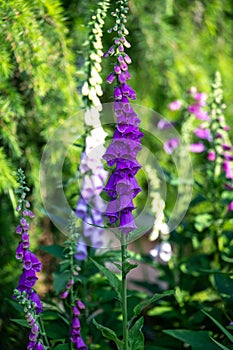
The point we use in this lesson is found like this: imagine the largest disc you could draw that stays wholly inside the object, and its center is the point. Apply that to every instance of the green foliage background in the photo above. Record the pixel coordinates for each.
(175, 44)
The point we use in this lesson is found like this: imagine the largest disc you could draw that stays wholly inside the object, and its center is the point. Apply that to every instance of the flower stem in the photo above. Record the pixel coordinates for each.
(124, 292)
(43, 332)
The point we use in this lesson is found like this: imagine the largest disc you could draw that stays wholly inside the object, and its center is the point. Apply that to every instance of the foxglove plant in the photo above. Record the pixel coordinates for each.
(70, 294)
(90, 206)
(24, 293)
(213, 136)
(215, 145)
(122, 187)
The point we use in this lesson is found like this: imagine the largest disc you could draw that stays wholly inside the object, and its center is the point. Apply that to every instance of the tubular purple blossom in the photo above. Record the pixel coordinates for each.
(211, 156)
(110, 79)
(203, 134)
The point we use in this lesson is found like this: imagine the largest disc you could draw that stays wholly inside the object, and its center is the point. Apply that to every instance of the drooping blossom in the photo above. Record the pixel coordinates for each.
(197, 147)
(162, 252)
(65, 293)
(211, 156)
(122, 187)
(203, 133)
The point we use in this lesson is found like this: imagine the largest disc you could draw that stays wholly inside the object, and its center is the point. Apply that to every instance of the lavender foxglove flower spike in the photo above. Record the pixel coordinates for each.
(123, 150)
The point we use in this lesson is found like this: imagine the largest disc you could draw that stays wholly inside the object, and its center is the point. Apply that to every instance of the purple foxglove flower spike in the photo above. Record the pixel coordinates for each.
(31, 265)
(121, 186)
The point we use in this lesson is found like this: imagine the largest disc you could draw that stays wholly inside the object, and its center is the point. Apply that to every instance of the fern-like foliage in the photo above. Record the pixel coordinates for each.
(37, 81)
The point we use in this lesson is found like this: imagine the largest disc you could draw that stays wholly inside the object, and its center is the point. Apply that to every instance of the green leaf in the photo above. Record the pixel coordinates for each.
(138, 308)
(128, 266)
(62, 347)
(113, 280)
(197, 339)
(224, 285)
(56, 330)
(109, 334)
(54, 249)
(136, 338)
(228, 334)
(219, 344)
(60, 280)
(20, 322)
(203, 221)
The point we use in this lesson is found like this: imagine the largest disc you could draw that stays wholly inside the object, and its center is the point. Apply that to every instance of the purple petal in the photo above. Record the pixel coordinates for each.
(197, 147)
(171, 145)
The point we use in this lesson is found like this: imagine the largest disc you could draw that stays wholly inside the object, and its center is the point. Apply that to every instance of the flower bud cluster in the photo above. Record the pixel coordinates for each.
(92, 87)
(31, 316)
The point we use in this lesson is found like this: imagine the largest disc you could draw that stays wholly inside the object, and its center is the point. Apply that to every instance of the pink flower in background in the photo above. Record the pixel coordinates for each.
(164, 124)
(228, 169)
(230, 206)
(203, 134)
(197, 147)
(201, 97)
(211, 156)
(175, 105)
(171, 145)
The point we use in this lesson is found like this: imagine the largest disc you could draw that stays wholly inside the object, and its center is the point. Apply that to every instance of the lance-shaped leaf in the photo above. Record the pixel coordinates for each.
(220, 345)
(138, 308)
(197, 339)
(228, 334)
(112, 278)
(136, 338)
(109, 334)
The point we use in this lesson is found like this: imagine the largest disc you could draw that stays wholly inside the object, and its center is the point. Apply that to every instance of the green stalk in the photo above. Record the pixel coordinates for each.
(43, 332)
(124, 292)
